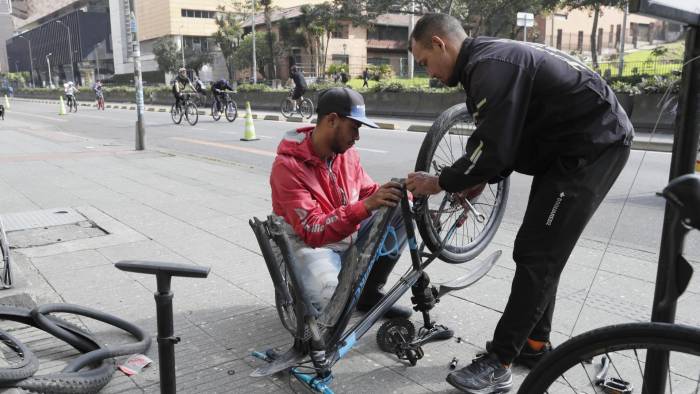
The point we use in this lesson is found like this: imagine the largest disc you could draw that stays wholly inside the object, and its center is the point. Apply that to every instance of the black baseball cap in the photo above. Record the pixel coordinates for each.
(345, 102)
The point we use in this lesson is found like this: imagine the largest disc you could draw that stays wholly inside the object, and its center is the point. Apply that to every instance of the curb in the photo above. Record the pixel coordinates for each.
(418, 128)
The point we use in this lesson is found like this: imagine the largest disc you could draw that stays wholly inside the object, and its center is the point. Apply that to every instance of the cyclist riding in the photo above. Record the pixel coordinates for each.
(70, 90)
(299, 86)
(180, 84)
(99, 94)
(218, 90)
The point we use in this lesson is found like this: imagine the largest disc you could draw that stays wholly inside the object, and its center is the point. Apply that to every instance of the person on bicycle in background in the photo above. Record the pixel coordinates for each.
(179, 85)
(539, 112)
(299, 86)
(99, 93)
(70, 90)
(327, 199)
(218, 90)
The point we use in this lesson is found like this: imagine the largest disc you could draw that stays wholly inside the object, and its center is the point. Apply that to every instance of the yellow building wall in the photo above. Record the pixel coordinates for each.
(159, 18)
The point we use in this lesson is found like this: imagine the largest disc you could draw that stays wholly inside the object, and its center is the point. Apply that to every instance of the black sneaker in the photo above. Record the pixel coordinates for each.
(528, 356)
(485, 375)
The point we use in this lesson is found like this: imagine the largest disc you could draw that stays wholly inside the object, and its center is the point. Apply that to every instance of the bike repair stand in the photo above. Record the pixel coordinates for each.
(164, 310)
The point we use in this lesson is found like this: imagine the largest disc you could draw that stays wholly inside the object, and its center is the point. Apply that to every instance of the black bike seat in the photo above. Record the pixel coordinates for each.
(160, 268)
(684, 193)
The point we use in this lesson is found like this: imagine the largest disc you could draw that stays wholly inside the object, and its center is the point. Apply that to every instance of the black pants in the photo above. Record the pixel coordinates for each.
(561, 202)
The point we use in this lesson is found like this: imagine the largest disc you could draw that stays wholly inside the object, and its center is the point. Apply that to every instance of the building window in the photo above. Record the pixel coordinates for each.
(382, 32)
(196, 43)
(378, 61)
(340, 59)
(197, 14)
(341, 31)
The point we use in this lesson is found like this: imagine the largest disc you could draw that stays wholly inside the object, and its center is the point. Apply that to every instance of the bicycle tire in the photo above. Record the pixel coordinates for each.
(231, 111)
(286, 107)
(307, 108)
(215, 111)
(74, 106)
(578, 350)
(175, 114)
(191, 113)
(90, 381)
(448, 129)
(5, 264)
(28, 365)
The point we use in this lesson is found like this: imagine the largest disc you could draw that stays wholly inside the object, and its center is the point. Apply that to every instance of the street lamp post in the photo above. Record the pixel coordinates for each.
(70, 50)
(48, 62)
(255, 63)
(31, 60)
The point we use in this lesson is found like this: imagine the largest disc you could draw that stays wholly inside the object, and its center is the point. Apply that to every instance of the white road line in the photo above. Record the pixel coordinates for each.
(372, 150)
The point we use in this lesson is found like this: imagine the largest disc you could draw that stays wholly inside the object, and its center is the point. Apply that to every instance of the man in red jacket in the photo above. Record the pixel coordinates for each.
(324, 194)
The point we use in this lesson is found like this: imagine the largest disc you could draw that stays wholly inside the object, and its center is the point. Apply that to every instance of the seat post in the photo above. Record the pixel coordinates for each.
(166, 338)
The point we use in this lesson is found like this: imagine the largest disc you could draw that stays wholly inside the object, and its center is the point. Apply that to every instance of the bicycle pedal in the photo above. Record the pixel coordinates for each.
(616, 386)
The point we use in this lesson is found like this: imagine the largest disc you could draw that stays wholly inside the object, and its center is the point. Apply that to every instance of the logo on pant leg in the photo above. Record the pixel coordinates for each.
(555, 208)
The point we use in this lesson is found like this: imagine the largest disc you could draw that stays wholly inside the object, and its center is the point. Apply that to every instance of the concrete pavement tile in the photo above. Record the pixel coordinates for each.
(57, 264)
(382, 380)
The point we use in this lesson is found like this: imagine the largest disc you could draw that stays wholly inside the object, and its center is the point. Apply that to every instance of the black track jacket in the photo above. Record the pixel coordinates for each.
(531, 104)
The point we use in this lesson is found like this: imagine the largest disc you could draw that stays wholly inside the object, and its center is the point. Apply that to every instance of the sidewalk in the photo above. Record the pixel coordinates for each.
(660, 142)
(158, 206)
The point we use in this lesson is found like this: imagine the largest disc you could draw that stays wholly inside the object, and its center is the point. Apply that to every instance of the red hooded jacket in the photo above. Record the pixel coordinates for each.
(323, 205)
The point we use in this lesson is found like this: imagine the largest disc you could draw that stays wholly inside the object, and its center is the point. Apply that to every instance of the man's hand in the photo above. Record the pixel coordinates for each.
(422, 184)
(388, 195)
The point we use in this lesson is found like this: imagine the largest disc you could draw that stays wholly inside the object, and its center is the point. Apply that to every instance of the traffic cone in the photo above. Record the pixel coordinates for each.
(7, 103)
(62, 108)
(249, 132)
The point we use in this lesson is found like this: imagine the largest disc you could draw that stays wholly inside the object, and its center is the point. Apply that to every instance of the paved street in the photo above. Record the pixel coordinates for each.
(188, 197)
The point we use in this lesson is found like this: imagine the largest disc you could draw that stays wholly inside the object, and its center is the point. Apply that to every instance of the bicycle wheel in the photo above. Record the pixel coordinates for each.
(307, 108)
(191, 114)
(231, 111)
(575, 366)
(286, 309)
(176, 114)
(5, 268)
(287, 107)
(16, 360)
(441, 213)
(215, 111)
(74, 105)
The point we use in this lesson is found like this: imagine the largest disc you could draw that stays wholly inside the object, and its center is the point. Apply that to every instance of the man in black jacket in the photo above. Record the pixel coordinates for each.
(299, 85)
(539, 112)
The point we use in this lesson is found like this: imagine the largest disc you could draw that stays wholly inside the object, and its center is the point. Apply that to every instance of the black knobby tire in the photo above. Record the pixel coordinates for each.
(215, 111)
(88, 381)
(175, 114)
(443, 144)
(22, 363)
(573, 358)
(231, 111)
(386, 335)
(191, 113)
(307, 108)
(286, 107)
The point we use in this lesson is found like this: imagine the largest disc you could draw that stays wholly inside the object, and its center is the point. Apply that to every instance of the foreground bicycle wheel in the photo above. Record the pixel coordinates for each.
(444, 143)
(577, 365)
(215, 111)
(287, 107)
(175, 114)
(307, 108)
(231, 111)
(191, 114)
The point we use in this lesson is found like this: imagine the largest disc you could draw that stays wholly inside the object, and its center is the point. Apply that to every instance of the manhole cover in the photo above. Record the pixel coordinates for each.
(43, 218)
(46, 227)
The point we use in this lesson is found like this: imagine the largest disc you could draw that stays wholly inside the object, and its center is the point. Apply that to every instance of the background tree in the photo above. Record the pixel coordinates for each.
(227, 36)
(197, 58)
(168, 55)
(244, 54)
(595, 6)
(267, 11)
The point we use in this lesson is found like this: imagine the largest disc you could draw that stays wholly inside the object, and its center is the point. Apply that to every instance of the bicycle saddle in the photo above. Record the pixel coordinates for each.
(684, 193)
